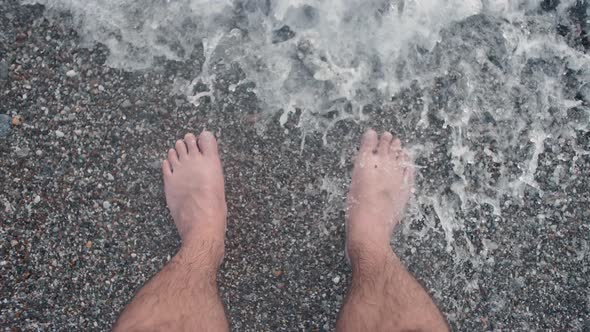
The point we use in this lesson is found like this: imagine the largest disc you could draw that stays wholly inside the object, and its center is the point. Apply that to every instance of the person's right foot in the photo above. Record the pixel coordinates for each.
(382, 181)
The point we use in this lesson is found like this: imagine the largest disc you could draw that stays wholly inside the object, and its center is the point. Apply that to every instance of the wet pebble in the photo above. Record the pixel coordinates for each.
(5, 121)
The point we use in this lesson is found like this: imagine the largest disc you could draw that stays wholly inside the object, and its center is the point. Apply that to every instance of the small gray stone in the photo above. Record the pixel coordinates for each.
(126, 104)
(3, 71)
(22, 153)
(5, 121)
(156, 164)
(584, 92)
(71, 73)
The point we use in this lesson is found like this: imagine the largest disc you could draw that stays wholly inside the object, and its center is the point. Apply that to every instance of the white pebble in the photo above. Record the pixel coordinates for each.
(336, 279)
(133, 255)
(106, 205)
(37, 199)
(71, 73)
(59, 133)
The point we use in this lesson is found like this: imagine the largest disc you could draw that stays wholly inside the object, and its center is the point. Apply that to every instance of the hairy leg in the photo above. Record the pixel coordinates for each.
(383, 296)
(183, 296)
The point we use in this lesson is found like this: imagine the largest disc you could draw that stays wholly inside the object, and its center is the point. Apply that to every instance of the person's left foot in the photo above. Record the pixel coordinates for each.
(194, 187)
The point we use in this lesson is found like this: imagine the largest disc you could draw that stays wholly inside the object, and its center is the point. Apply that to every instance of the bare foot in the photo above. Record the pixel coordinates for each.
(383, 295)
(382, 181)
(184, 296)
(193, 183)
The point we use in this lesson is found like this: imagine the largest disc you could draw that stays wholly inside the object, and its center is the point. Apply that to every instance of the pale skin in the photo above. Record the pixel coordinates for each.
(383, 296)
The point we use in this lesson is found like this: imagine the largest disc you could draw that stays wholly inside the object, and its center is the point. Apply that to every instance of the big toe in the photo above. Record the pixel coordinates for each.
(208, 144)
(369, 141)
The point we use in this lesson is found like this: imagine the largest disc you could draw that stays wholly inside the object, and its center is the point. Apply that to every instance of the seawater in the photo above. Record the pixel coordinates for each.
(480, 88)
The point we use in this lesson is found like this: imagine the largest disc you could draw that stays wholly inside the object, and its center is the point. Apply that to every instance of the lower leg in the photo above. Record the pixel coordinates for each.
(383, 296)
(183, 296)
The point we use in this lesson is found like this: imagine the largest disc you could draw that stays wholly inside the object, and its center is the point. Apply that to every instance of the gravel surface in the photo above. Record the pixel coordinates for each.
(83, 222)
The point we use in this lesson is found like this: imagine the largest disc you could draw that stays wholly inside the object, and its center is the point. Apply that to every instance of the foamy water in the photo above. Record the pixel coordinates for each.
(487, 79)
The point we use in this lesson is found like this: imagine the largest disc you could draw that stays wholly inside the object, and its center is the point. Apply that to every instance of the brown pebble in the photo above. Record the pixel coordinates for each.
(17, 120)
(89, 244)
(277, 273)
(20, 37)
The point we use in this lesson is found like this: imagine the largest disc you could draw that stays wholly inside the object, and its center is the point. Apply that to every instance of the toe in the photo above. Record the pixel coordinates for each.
(191, 143)
(166, 168)
(395, 147)
(173, 158)
(409, 172)
(369, 141)
(384, 143)
(405, 159)
(181, 149)
(208, 144)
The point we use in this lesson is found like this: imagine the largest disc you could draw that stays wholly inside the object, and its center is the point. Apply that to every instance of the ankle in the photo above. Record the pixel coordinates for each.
(201, 256)
(369, 259)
